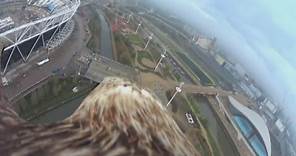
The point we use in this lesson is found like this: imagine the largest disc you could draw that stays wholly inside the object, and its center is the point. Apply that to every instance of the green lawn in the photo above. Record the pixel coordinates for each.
(54, 93)
(94, 27)
(204, 78)
(126, 55)
(135, 39)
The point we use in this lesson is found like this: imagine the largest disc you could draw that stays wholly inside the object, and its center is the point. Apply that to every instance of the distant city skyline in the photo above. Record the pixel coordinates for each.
(259, 35)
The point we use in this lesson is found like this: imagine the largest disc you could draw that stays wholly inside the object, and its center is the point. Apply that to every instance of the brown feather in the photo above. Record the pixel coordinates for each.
(117, 118)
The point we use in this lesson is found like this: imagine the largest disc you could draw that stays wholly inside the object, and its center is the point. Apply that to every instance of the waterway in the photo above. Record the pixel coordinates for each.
(216, 129)
(105, 37)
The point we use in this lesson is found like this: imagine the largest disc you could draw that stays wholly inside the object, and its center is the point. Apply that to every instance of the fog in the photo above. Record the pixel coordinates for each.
(259, 35)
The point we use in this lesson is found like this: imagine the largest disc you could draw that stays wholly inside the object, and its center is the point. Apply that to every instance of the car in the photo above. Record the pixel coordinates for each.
(189, 118)
(42, 62)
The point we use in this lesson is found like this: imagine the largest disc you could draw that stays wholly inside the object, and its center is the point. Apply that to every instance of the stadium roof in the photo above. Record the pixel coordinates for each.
(256, 120)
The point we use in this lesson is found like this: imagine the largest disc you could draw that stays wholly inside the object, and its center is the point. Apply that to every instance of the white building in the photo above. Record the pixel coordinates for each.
(252, 126)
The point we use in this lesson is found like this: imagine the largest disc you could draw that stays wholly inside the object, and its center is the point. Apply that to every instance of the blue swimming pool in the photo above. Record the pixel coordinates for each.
(244, 125)
(249, 133)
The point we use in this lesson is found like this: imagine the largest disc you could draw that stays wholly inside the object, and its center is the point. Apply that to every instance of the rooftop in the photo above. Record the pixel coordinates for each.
(256, 120)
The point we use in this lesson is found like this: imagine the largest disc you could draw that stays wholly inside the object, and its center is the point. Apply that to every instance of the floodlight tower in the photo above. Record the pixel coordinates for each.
(193, 38)
(129, 18)
(149, 39)
(162, 56)
(139, 25)
(178, 90)
(43, 28)
(137, 3)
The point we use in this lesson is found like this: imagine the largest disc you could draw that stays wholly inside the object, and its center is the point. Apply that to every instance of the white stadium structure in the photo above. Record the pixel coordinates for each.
(28, 25)
(252, 127)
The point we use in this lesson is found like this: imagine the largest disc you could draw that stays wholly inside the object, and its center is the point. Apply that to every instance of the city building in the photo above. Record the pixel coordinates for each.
(220, 60)
(269, 110)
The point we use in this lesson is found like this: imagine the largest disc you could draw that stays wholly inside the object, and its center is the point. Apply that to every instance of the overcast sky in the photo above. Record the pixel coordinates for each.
(260, 34)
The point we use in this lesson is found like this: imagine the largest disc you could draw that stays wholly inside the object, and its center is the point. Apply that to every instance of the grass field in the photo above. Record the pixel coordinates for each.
(94, 27)
(197, 133)
(135, 39)
(205, 80)
(126, 55)
(144, 55)
(54, 93)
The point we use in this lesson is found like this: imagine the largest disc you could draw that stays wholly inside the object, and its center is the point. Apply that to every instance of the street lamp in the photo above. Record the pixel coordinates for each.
(149, 39)
(138, 27)
(162, 56)
(178, 90)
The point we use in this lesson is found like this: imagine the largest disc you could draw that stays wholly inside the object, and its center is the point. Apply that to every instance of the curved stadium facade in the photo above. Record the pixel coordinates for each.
(252, 127)
(26, 26)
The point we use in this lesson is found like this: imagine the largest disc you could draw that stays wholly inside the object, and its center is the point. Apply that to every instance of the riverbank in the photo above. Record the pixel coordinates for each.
(216, 127)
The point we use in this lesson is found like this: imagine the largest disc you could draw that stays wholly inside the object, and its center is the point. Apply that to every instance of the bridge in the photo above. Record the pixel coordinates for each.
(204, 90)
(100, 67)
(201, 90)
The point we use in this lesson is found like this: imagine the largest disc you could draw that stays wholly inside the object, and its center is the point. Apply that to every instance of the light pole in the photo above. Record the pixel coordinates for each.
(137, 2)
(194, 37)
(138, 27)
(47, 53)
(129, 18)
(79, 70)
(162, 56)
(149, 39)
(178, 90)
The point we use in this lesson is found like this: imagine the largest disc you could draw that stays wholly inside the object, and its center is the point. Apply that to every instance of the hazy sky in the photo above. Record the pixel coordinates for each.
(260, 34)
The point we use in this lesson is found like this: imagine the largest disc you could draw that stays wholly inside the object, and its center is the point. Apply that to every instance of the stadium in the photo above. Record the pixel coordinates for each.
(27, 26)
(252, 127)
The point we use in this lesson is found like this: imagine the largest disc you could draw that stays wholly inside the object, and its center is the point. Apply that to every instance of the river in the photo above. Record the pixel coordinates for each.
(215, 127)
(105, 37)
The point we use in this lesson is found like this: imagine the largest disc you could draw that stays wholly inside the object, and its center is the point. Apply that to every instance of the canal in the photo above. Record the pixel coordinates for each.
(105, 37)
(216, 129)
